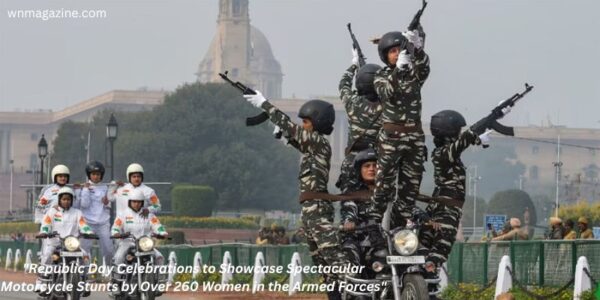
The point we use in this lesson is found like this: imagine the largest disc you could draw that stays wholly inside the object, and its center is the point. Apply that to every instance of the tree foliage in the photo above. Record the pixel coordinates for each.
(196, 136)
(513, 203)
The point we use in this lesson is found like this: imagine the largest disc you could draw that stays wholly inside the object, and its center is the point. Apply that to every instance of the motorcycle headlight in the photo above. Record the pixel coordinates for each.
(145, 244)
(406, 242)
(71, 243)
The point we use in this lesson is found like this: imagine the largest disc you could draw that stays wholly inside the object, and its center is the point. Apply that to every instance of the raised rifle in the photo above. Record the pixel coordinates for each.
(491, 121)
(416, 21)
(250, 121)
(356, 46)
(414, 24)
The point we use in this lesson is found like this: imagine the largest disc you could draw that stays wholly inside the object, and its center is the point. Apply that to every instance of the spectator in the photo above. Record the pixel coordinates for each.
(299, 237)
(517, 233)
(262, 238)
(557, 231)
(280, 238)
(506, 228)
(570, 233)
(584, 231)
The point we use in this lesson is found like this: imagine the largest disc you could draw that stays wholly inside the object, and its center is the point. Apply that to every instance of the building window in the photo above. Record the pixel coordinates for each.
(34, 137)
(32, 161)
(535, 149)
(533, 172)
(236, 8)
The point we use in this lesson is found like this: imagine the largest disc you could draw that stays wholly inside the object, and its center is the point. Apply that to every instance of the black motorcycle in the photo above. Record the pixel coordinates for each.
(397, 264)
(140, 254)
(70, 257)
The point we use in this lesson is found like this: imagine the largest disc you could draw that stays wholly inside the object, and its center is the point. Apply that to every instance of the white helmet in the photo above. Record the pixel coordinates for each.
(65, 190)
(135, 195)
(58, 170)
(135, 168)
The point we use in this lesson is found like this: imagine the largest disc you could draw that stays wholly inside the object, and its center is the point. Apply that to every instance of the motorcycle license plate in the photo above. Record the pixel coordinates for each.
(405, 260)
(71, 254)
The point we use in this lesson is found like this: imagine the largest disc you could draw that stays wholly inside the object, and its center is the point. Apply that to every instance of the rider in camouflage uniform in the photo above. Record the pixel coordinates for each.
(354, 213)
(364, 122)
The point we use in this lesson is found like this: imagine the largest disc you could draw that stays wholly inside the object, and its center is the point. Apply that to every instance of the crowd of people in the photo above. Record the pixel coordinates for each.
(274, 235)
(558, 230)
(567, 230)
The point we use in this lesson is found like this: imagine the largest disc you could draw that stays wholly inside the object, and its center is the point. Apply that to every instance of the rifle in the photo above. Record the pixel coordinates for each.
(414, 24)
(416, 21)
(250, 121)
(356, 46)
(491, 121)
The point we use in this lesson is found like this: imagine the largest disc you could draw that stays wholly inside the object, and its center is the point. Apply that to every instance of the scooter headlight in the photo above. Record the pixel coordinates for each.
(145, 244)
(71, 243)
(406, 242)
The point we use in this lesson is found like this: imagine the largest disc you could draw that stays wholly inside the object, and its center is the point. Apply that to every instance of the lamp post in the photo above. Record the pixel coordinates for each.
(42, 153)
(111, 134)
(12, 170)
(557, 165)
(473, 179)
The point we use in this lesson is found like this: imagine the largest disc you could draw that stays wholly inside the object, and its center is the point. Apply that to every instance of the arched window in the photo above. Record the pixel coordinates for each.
(533, 172)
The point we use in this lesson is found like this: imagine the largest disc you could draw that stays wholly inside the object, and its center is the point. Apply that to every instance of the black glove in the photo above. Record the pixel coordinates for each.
(420, 216)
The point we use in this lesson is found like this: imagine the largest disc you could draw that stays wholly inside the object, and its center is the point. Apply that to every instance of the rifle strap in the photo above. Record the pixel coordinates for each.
(362, 195)
(441, 200)
(349, 148)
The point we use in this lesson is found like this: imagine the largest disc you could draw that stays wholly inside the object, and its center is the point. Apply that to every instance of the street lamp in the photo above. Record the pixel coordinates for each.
(111, 134)
(42, 153)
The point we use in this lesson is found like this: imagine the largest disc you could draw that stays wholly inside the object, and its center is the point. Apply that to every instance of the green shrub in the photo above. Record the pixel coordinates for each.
(15, 227)
(193, 200)
(208, 277)
(466, 291)
(208, 223)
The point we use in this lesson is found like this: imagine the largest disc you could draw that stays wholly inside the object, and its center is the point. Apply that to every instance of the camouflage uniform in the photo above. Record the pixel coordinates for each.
(357, 213)
(317, 215)
(449, 176)
(363, 128)
(400, 153)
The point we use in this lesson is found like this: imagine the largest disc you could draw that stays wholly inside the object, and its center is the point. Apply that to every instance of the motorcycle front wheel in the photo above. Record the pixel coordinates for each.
(74, 294)
(414, 287)
(149, 294)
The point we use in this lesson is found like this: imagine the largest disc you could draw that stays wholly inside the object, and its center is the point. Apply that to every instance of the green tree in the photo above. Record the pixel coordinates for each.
(513, 204)
(198, 136)
(70, 148)
(497, 165)
(467, 217)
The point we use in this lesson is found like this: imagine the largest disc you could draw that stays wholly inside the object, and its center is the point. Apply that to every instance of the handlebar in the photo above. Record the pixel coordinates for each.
(90, 236)
(121, 236)
(46, 235)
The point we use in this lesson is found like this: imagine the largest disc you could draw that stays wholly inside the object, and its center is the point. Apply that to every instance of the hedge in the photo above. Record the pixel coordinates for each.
(193, 200)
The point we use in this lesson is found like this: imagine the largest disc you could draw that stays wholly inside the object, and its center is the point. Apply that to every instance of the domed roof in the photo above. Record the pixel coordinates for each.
(262, 59)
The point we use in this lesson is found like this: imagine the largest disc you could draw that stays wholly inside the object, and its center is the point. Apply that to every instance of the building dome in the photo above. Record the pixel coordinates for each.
(243, 50)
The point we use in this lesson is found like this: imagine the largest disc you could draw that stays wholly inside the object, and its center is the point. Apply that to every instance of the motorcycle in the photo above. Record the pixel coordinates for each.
(141, 253)
(397, 265)
(69, 256)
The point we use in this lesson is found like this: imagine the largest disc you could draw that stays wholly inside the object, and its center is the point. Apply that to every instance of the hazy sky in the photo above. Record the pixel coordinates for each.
(481, 51)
